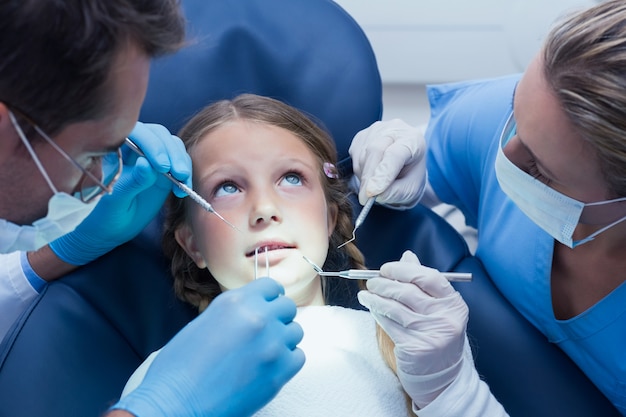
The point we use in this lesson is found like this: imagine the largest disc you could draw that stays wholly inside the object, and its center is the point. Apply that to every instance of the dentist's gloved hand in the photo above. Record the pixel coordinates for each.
(230, 361)
(388, 159)
(137, 196)
(426, 318)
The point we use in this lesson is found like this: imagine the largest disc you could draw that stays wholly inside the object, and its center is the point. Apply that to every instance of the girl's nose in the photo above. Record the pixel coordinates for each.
(265, 209)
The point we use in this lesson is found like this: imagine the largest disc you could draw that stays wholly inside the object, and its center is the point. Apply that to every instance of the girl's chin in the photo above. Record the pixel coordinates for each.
(292, 284)
(291, 273)
(304, 289)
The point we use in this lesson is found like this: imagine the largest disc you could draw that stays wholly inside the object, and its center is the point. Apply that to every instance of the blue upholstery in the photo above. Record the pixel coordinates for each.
(308, 53)
(72, 352)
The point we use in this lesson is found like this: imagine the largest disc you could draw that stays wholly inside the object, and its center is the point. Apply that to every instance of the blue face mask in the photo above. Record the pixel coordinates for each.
(555, 213)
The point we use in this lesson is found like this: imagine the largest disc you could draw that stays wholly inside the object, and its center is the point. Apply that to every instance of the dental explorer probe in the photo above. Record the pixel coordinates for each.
(360, 219)
(191, 193)
(371, 273)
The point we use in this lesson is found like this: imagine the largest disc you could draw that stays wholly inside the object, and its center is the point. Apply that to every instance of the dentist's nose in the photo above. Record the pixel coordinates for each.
(264, 209)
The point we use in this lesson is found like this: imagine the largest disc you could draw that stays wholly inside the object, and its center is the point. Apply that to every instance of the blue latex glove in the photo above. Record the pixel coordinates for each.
(136, 198)
(230, 361)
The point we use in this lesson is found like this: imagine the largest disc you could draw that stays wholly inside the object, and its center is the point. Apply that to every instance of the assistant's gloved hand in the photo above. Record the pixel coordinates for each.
(388, 159)
(136, 198)
(426, 319)
(230, 361)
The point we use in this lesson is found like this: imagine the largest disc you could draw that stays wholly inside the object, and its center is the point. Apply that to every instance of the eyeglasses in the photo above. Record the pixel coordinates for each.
(98, 177)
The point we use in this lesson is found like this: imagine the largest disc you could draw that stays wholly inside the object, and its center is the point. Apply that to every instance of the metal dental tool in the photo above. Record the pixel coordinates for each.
(256, 263)
(370, 273)
(360, 219)
(191, 193)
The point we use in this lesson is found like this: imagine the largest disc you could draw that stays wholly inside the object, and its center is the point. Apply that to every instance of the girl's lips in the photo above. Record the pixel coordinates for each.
(271, 257)
(270, 246)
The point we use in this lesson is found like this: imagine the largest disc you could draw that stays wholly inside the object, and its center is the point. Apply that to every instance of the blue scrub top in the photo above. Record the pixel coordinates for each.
(463, 133)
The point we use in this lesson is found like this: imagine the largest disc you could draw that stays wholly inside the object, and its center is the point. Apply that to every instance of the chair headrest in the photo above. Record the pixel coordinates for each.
(308, 53)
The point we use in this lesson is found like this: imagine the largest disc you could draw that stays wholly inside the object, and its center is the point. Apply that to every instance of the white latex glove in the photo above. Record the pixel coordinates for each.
(388, 160)
(426, 318)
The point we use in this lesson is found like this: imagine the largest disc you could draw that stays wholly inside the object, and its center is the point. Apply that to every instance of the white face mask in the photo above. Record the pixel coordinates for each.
(65, 212)
(554, 212)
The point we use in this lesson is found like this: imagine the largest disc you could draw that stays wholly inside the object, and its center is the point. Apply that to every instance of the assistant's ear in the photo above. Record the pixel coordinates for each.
(185, 238)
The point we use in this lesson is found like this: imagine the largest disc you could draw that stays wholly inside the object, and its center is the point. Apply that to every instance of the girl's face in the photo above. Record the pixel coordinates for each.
(266, 181)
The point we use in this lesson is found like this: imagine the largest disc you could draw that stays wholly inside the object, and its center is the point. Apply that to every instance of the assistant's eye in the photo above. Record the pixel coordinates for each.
(226, 188)
(292, 179)
(533, 170)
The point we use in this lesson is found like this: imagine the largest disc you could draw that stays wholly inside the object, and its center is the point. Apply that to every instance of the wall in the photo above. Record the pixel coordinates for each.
(428, 41)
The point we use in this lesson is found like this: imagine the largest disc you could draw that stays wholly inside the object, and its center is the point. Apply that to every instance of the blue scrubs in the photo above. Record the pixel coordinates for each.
(466, 122)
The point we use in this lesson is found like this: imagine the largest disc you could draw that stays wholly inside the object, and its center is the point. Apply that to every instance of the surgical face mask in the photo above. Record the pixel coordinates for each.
(65, 212)
(555, 213)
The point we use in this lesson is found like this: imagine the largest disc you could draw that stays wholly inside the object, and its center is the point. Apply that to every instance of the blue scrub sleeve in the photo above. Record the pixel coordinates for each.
(464, 126)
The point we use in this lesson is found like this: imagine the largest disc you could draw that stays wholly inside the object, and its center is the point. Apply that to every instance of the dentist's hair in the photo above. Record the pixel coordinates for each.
(57, 55)
(197, 286)
(585, 64)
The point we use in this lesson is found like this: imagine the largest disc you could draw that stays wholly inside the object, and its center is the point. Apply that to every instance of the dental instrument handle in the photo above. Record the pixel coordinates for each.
(364, 212)
(190, 192)
(359, 273)
(458, 276)
(371, 273)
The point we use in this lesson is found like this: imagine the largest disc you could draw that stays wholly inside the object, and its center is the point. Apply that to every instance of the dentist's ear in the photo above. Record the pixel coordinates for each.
(185, 238)
(10, 142)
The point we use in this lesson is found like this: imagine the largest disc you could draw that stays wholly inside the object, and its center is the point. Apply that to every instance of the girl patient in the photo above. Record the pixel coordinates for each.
(270, 171)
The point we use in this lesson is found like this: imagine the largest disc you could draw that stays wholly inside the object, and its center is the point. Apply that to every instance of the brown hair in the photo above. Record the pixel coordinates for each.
(57, 54)
(585, 65)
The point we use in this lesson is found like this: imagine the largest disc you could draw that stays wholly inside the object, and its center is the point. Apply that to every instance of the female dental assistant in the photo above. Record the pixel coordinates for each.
(66, 104)
(537, 164)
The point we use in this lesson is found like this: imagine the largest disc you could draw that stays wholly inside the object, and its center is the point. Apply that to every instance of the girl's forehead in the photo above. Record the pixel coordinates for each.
(243, 135)
(246, 144)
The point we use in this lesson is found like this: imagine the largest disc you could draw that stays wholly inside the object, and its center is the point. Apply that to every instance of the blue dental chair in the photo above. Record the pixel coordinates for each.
(71, 353)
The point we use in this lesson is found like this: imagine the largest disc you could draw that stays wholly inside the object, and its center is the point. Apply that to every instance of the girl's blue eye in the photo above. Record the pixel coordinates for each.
(226, 188)
(292, 179)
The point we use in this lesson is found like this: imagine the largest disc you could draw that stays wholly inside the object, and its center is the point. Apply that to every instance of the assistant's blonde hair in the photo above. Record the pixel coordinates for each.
(585, 65)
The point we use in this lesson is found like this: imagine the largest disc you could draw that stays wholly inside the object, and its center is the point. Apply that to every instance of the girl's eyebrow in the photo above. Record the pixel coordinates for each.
(299, 161)
(215, 170)
(218, 168)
